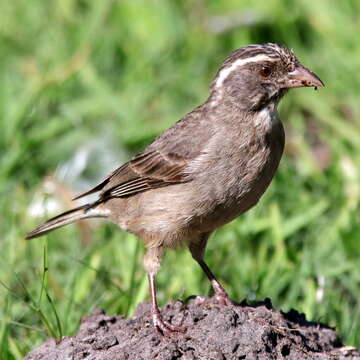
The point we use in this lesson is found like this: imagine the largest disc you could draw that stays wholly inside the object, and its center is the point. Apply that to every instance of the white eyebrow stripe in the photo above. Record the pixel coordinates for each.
(224, 73)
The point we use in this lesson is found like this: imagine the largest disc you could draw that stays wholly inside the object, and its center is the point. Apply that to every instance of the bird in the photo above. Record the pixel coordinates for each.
(210, 167)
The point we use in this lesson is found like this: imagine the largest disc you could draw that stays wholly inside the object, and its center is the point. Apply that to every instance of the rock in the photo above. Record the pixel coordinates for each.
(213, 332)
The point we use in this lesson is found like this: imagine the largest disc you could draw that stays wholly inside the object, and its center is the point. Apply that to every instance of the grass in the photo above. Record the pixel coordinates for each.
(85, 84)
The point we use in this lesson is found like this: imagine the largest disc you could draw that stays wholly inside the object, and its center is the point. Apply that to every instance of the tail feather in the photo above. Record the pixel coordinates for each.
(67, 217)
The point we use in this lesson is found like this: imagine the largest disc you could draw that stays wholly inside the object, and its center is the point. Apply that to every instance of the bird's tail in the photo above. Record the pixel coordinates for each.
(81, 212)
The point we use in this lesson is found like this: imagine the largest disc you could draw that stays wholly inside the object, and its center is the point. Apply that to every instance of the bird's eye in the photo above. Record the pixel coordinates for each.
(265, 71)
(291, 68)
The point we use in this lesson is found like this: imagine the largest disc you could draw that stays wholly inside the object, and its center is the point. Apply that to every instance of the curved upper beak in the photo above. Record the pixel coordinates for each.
(302, 77)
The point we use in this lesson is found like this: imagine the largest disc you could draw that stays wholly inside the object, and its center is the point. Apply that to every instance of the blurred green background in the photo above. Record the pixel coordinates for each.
(86, 84)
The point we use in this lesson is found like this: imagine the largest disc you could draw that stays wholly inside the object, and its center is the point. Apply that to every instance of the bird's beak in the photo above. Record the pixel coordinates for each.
(302, 77)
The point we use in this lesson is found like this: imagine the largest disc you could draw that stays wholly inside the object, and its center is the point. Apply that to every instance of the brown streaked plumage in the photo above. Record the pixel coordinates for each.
(210, 167)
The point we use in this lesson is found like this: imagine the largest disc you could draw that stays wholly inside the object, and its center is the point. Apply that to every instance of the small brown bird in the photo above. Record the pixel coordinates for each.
(209, 168)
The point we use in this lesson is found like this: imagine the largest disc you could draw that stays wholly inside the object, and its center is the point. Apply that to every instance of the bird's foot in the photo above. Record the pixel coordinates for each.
(222, 298)
(163, 327)
(221, 295)
(218, 299)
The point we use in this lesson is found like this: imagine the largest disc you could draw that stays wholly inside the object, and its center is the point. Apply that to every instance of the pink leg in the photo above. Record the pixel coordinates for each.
(163, 327)
(221, 295)
(197, 250)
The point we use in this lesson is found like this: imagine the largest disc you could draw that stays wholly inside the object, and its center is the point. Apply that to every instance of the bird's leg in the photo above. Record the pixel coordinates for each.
(197, 251)
(164, 327)
(221, 295)
(152, 264)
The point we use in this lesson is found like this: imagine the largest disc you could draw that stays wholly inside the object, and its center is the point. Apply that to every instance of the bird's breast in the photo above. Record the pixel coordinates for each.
(240, 171)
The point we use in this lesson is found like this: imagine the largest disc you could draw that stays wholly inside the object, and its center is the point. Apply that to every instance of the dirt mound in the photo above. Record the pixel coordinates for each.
(213, 333)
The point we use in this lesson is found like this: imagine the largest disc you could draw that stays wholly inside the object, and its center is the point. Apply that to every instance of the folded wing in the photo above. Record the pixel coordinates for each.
(162, 163)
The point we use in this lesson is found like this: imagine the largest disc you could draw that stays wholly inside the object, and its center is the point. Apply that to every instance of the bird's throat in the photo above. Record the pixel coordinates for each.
(265, 118)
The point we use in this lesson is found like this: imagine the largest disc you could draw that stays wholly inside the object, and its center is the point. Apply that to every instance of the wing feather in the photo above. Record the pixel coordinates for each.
(162, 163)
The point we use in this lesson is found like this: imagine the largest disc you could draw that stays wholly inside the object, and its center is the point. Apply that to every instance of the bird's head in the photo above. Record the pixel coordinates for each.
(255, 76)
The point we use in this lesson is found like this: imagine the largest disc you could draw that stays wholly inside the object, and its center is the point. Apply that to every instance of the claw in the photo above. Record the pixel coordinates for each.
(218, 299)
(221, 295)
(223, 299)
(164, 328)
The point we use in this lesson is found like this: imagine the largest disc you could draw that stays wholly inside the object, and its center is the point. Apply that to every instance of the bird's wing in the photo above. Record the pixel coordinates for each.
(162, 163)
(148, 170)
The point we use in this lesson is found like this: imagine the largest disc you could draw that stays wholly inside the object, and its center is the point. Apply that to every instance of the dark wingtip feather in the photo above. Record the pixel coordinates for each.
(91, 191)
(29, 235)
(35, 233)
